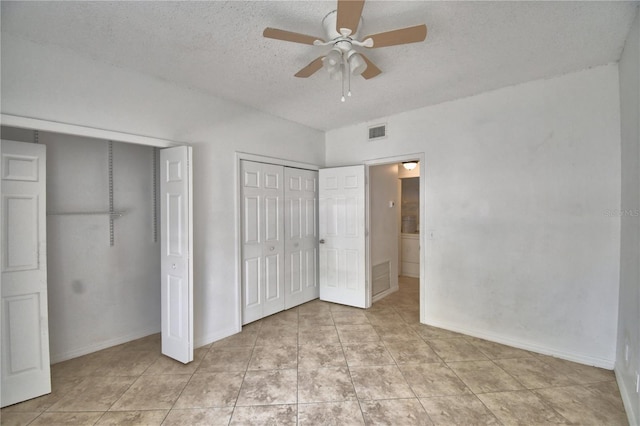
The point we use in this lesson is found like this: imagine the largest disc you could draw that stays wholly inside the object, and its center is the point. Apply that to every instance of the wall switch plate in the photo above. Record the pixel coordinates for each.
(626, 352)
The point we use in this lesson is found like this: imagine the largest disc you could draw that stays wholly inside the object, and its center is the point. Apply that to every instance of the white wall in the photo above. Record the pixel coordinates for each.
(49, 83)
(629, 317)
(517, 182)
(383, 228)
(99, 295)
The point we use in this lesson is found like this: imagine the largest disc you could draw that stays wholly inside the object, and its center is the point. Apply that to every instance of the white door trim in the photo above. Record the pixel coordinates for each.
(420, 156)
(239, 156)
(89, 132)
(275, 161)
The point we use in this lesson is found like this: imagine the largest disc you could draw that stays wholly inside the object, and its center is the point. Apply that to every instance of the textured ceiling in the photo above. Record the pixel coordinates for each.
(217, 47)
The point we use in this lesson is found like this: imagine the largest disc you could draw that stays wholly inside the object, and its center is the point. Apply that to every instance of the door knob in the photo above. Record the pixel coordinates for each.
(321, 241)
(272, 248)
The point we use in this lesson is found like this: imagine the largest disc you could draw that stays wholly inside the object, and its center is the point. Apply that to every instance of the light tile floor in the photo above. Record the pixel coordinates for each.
(327, 364)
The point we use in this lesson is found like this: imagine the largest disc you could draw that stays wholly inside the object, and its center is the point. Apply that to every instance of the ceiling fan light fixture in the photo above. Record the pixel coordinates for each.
(409, 165)
(356, 62)
(341, 27)
(335, 73)
(334, 57)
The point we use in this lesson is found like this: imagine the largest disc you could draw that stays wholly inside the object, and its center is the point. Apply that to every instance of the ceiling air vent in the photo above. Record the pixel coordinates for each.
(378, 131)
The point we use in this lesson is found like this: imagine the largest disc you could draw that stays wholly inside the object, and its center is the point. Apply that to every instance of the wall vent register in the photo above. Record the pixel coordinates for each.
(377, 132)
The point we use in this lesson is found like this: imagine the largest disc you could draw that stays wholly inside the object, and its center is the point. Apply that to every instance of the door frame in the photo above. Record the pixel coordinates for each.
(419, 156)
(239, 156)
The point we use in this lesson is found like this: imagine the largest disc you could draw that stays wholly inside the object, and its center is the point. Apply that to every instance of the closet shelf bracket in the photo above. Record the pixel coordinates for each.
(112, 214)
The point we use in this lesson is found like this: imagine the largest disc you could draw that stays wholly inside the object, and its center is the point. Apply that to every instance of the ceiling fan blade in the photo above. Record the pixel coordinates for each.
(371, 70)
(289, 36)
(314, 66)
(349, 12)
(401, 36)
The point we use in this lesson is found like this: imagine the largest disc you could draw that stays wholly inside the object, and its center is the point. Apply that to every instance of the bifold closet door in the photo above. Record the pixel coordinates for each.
(23, 308)
(262, 209)
(301, 236)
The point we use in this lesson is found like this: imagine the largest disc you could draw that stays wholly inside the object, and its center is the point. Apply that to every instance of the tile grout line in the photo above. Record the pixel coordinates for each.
(298, 370)
(502, 391)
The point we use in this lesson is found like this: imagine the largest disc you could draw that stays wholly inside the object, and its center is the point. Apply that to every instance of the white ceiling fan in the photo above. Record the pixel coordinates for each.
(341, 29)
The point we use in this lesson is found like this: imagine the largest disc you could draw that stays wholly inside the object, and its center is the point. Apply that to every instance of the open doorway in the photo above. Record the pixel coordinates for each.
(396, 209)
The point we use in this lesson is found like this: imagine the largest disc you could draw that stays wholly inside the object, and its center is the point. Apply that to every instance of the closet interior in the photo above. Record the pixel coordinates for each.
(103, 249)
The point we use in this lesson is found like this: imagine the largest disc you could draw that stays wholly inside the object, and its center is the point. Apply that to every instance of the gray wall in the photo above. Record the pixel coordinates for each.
(383, 228)
(517, 181)
(628, 360)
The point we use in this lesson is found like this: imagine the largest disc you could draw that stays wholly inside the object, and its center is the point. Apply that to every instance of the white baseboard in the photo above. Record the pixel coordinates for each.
(94, 347)
(626, 395)
(214, 337)
(201, 341)
(533, 347)
(384, 294)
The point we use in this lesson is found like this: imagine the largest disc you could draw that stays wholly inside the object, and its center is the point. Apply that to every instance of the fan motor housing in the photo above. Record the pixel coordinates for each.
(329, 24)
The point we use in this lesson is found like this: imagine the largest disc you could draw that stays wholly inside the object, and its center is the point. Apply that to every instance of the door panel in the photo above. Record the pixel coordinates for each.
(272, 218)
(273, 294)
(252, 278)
(293, 269)
(343, 276)
(176, 253)
(23, 310)
(262, 205)
(301, 236)
(21, 233)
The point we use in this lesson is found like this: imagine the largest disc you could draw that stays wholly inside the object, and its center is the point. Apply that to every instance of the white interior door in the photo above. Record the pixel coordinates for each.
(23, 311)
(343, 272)
(176, 257)
(301, 236)
(262, 240)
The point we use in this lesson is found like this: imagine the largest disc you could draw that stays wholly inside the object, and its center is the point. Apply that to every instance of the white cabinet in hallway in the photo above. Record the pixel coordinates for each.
(279, 238)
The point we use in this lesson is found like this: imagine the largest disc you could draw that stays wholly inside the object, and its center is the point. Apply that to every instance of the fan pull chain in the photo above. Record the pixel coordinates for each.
(342, 69)
(348, 66)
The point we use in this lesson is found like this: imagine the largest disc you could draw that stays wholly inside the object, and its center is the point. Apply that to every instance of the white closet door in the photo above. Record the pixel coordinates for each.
(23, 311)
(176, 253)
(301, 236)
(262, 240)
(343, 275)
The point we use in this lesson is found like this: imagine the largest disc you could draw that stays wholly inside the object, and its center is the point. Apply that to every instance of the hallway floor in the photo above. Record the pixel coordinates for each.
(327, 364)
